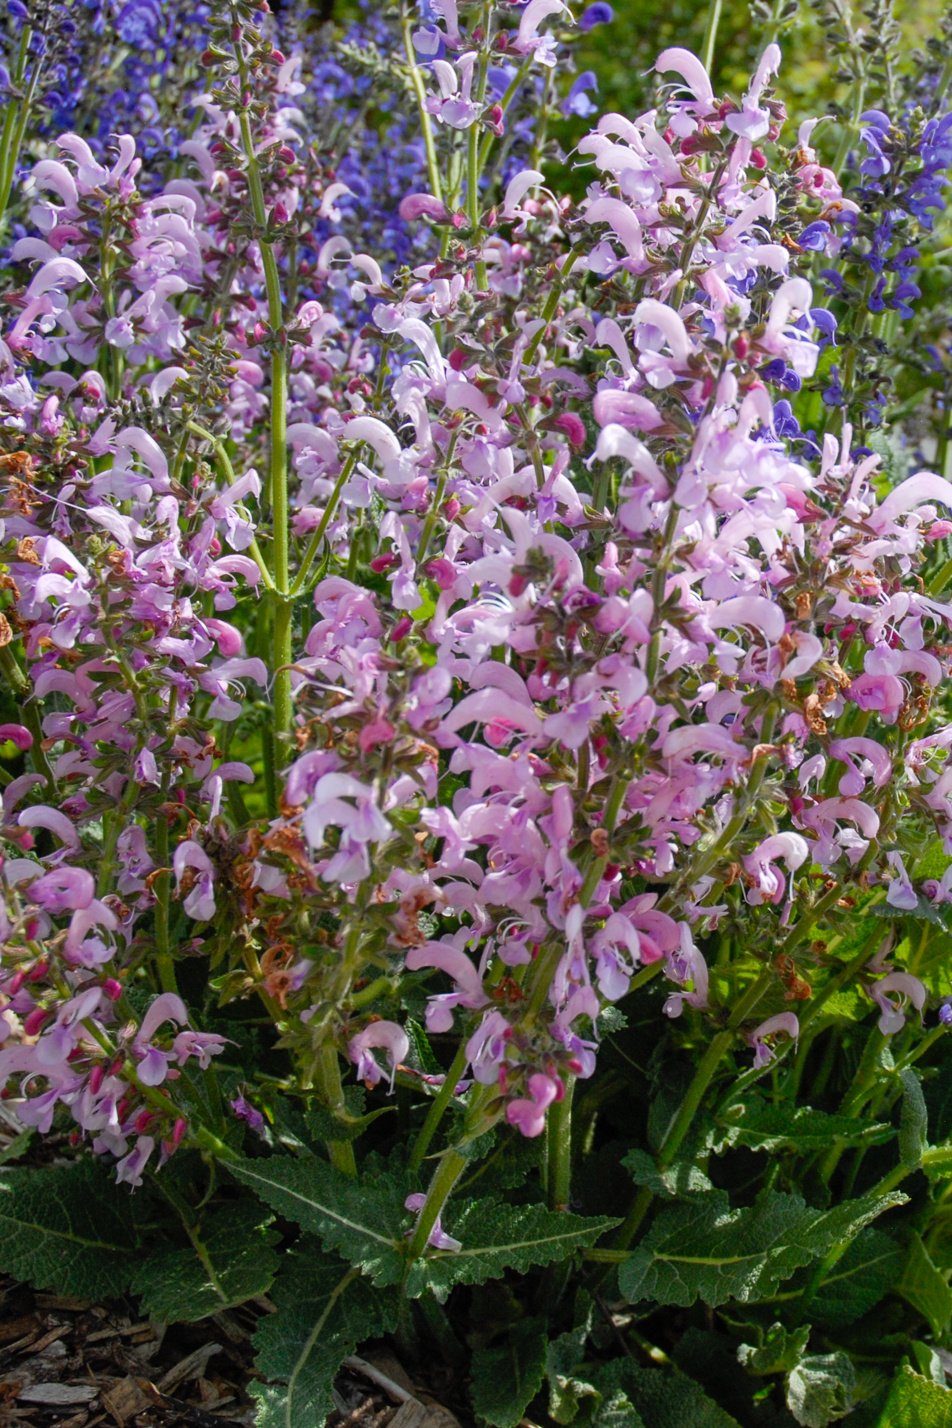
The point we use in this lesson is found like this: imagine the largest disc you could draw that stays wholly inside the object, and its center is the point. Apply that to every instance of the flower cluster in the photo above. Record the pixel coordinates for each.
(483, 624)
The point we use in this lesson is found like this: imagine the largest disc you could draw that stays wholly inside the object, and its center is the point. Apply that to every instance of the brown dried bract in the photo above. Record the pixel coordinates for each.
(812, 714)
(26, 551)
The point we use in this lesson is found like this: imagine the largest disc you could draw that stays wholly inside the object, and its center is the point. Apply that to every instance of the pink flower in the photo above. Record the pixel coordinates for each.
(528, 1114)
(906, 990)
(386, 1035)
(784, 1022)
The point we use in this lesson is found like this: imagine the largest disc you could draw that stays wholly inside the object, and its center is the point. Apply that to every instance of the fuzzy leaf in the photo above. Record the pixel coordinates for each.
(820, 1389)
(682, 1178)
(938, 1094)
(663, 1398)
(760, 1126)
(916, 1402)
(937, 1161)
(496, 1237)
(508, 1375)
(563, 1360)
(780, 1351)
(324, 1310)
(68, 1229)
(232, 1258)
(702, 1249)
(913, 1119)
(925, 1288)
(362, 1220)
(866, 1273)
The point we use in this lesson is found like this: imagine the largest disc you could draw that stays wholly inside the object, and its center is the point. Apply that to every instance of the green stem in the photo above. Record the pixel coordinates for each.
(551, 305)
(438, 1108)
(331, 1091)
(558, 1150)
(15, 120)
(281, 646)
(413, 69)
(164, 963)
(314, 544)
(867, 1073)
(448, 1171)
(679, 1127)
(710, 33)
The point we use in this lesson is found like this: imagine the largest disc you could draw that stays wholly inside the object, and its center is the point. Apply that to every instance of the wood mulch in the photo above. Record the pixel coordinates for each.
(71, 1363)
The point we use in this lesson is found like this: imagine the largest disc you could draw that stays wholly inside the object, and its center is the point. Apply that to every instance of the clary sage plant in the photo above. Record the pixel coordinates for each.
(477, 784)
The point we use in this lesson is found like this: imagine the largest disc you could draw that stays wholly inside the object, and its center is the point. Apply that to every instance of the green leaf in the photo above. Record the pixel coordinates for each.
(916, 1402)
(925, 1288)
(760, 1126)
(820, 1389)
(496, 1237)
(913, 1119)
(363, 1220)
(507, 1376)
(323, 1312)
(924, 911)
(865, 1274)
(682, 1178)
(563, 1360)
(664, 1398)
(323, 1125)
(421, 1050)
(937, 1161)
(702, 1249)
(780, 1351)
(938, 1093)
(68, 1229)
(231, 1258)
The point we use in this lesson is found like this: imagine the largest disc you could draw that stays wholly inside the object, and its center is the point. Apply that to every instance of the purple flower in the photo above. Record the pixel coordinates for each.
(245, 1111)
(600, 13)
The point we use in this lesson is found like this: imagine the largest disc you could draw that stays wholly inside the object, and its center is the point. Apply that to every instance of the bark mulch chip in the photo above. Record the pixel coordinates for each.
(71, 1363)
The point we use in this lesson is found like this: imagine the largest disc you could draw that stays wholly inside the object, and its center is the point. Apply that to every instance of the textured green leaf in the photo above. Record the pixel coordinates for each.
(937, 1161)
(568, 1381)
(779, 1352)
(916, 1402)
(682, 1178)
(664, 1398)
(760, 1126)
(820, 1389)
(324, 1310)
(938, 1093)
(924, 911)
(925, 1288)
(702, 1249)
(232, 1258)
(508, 1375)
(363, 1220)
(68, 1229)
(913, 1119)
(867, 1272)
(496, 1237)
